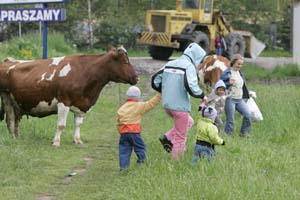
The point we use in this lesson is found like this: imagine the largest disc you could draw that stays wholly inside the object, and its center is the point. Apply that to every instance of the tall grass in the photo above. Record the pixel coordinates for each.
(276, 53)
(279, 72)
(263, 166)
(30, 46)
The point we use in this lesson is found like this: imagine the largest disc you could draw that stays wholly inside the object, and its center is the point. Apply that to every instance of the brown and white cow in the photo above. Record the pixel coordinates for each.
(211, 68)
(56, 86)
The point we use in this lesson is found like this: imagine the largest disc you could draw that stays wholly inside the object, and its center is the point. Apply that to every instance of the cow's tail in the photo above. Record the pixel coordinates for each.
(2, 111)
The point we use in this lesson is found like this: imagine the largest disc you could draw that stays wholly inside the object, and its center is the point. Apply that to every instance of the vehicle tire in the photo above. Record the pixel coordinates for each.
(202, 39)
(160, 53)
(235, 44)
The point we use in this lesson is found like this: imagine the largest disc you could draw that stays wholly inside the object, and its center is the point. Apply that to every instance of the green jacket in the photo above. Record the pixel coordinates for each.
(207, 131)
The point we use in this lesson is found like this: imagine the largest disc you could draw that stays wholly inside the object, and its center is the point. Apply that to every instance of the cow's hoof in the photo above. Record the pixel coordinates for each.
(55, 143)
(77, 141)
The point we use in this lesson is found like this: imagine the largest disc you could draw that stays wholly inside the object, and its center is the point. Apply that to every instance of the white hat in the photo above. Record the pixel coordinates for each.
(133, 92)
(209, 112)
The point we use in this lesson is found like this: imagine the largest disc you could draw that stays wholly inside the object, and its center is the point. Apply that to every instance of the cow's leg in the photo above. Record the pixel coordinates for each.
(10, 114)
(62, 114)
(78, 120)
(17, 121)
(10, 120)
(2, 111)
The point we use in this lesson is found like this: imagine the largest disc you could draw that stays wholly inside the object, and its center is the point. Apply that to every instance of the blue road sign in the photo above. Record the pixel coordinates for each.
(31, 1)
(32, 15)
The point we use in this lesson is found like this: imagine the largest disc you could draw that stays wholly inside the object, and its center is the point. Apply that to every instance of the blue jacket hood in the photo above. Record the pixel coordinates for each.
(195, 53)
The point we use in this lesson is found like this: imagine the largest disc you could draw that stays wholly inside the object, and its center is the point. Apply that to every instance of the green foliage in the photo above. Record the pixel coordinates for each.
(257, 16)
(260, 167)
(114, 34)
(279, 52)
(31, 47)
(123, 17)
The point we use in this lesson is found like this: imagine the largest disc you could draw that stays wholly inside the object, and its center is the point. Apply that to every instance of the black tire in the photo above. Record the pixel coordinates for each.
(202, 39)
(160, 53)
(235, 44)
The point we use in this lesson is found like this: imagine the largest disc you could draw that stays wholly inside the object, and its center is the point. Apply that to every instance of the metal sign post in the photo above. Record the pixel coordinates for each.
(296, 32)
(45, 38)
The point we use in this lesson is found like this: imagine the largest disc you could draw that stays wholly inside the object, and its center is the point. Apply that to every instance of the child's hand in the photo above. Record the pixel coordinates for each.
(201, 106)
(204, 100)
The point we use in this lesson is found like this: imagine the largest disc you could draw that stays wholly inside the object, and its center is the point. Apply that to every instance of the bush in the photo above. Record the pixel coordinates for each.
(115, 34)
(30, 46)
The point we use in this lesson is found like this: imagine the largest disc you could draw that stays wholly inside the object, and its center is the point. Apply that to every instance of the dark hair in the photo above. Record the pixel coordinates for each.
(235, 58)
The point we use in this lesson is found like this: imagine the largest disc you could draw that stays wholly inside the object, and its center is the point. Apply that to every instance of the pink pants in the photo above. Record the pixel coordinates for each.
(178, 134)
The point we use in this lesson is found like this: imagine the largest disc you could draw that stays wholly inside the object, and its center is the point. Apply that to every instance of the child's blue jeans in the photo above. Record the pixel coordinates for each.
(202, 151)
(129, 141)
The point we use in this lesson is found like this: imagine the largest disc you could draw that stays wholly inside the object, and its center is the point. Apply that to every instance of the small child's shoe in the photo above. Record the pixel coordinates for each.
(167, 144)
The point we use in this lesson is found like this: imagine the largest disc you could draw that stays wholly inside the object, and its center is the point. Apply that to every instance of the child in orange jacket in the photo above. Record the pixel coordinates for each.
(129, 118)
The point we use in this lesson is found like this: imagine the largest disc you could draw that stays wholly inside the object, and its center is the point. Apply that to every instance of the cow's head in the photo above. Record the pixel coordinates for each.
(121, 69)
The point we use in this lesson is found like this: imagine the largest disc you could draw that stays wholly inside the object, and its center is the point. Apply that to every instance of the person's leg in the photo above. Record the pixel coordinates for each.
(139, 148)
(181, 125)
(242, 108)
(205, 152)
(170, 133)
(190, 125)
(125, 149)
(229, 111)
(167, 137)
(196, 154)
(190, 121)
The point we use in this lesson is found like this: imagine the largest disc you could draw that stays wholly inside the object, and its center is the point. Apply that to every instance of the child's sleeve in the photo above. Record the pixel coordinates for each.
(214, 136)
(148, 105)
(210, 97)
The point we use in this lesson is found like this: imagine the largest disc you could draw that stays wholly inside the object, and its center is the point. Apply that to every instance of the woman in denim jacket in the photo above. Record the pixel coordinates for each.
(236, 84)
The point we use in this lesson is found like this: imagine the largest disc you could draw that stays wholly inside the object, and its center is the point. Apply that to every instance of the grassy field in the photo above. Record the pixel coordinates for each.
(263, 166)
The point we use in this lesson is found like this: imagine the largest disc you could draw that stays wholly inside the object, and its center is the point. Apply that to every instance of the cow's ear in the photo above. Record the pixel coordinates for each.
(110, 48)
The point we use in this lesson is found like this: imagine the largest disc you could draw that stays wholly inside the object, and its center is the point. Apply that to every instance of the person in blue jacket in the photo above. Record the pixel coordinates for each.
(177, 81)
(236, 84)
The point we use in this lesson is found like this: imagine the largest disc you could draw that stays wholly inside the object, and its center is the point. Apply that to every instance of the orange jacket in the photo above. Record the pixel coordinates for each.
(130, 114)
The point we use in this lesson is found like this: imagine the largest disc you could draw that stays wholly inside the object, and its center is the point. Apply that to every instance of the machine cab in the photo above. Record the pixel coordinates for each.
(202, 10)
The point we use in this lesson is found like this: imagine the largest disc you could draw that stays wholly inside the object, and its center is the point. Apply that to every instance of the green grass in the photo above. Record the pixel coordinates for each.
(276, 53)
(254, 72)
(261, 167)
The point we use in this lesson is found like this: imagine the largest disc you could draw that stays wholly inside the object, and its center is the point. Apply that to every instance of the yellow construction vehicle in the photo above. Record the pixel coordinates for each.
(194, 21)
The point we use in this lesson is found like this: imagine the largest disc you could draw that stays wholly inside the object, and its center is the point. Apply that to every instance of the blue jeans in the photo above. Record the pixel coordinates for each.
(203, 151)
(219, 51)
(128, 142)
(237, 104)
